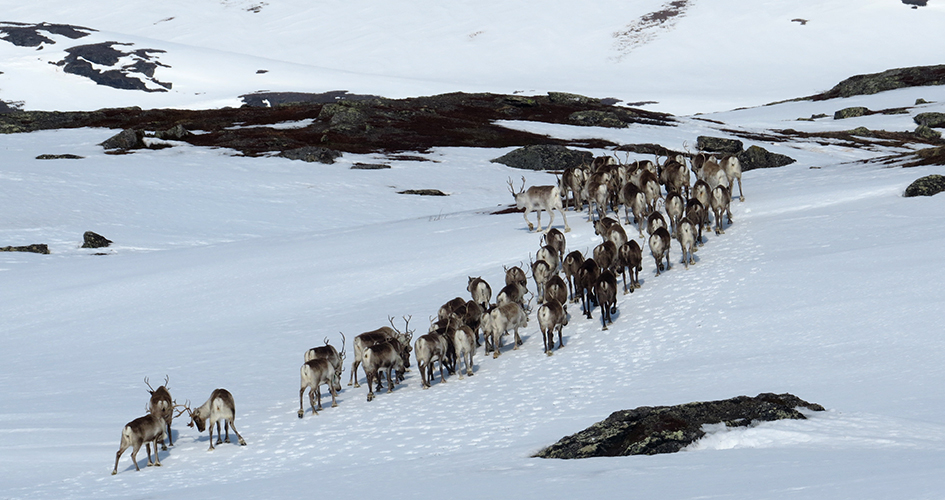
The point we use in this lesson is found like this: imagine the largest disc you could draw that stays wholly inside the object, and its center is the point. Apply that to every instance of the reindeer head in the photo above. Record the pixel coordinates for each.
(517, 195)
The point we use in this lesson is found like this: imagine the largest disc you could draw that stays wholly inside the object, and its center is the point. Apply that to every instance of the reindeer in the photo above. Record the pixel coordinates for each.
(606, 291)
(572, 181)
(675, 208)
(538, 198)
(572, 263)
(687, 240)
(314, 374)
(634, 201)
(659, 247)
(630, 256)
(515, 274)
(675, 176)
(552, 315)
(498, 322)
(452, 307)
(329, 352)
(382, 334)
(555, 240)
(605, 255)
(733, 171)
(512, 294)
(391, 356)
(550, 255)
(480, 290)
(650, 185)
(712, 173)
(587, 279)
(598, 193)
(143, 430)
(697, 215)
(221, 406)
(556, 289)
(612, 231)
(162, 404)
(654, 221)
(465, 341)
(427, 348)
(720, 201)
(541, 272)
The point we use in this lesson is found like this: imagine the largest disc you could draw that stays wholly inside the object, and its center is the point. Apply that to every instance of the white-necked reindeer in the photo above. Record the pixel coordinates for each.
(536, 199)
(219, 407)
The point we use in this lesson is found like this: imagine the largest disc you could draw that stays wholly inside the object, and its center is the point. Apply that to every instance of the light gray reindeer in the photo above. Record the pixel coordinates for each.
(536, 199)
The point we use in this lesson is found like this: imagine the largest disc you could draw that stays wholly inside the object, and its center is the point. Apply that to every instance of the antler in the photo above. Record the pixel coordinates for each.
(186, 409)
(150, 389)
(342, 345)
(406, 324)
(523, 185)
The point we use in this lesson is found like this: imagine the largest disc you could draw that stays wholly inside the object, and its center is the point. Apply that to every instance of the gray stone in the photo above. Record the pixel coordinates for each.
(593, 118)
(668, 429)
(934, 120)
(926, 186)
(758, 157)
(126, 139)
(311, 154)
(851, 112)
(873, 83)
(719, 145)
(927, 133)
(566, 98)
(175, 133)
(35, 248)
(544, 157)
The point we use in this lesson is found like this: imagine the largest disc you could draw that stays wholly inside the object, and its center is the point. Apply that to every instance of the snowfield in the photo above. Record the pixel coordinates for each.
(225, 269)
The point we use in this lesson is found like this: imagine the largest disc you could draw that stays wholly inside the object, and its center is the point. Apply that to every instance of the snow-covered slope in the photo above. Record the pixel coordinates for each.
(225, 269)
(732, 53)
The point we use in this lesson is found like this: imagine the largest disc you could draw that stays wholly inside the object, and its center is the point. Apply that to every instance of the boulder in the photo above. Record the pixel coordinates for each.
(93, 240)
(758, 157)
(566, 98)
(719, 145)
(544, 157)
(927, 133)
(35, 248)
(175, 133)
(667, 429)
(851, 112)
(926, 186)
(126, 139)
(887, 80)
(311, 154)
(593, 118)
(934, 120)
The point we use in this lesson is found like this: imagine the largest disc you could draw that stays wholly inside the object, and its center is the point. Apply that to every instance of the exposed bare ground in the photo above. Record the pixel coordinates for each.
(649, 27)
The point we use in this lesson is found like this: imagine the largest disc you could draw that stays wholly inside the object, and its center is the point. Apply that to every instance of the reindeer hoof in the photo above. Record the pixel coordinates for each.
(158, 464)
(567, 229)
(163, 447)
(301, 412)
(242, 442)
(114, 472)
(334, 405)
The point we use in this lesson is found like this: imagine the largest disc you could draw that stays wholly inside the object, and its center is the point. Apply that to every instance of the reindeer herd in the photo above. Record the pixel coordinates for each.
(646, 189)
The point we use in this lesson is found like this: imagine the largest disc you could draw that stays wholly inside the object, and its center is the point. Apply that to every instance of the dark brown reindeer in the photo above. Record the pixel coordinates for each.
(146, 430)
(162, 405)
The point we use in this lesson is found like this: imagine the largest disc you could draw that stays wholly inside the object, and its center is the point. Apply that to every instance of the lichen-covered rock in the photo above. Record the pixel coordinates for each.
(175, 133)
(927, 133)
(719, 145)
(566, 98)
(851, 112)
(311, 154)
(934, 120)
(126, 139)
(593, 118)
(926, 186)
(758, 157)
(667, 429)
(544, 157)
(887, 80)
(34, 248)
(344, 117)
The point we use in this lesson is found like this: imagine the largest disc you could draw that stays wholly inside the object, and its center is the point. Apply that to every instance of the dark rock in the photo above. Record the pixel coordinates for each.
(719, 145)
(566, 98)
(93, 240)
(927, 133)
(593, 118)
(80, 59)
(851, 112)
(921, 101)
(59, 157)
(343, 117)
(668, 429)
(916, 3)
(926, 186)
(873, 83)
(35, 248)
(423, 192)
(126, 139)
(758, 157)
(934, 120)
(28, 35)
(544, 157)
(312, 154)
(269, 99)
(175, 133)
(369, 166)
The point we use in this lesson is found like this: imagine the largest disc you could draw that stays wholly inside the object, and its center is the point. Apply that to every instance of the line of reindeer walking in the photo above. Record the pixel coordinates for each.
(453, 337)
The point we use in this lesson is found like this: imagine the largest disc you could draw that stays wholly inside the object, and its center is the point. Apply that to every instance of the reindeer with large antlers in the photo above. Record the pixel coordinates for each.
(536, 199)
(162, 405)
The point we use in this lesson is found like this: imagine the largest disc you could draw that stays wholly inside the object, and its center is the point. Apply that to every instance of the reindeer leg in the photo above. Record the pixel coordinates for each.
(134, 456)
(118, 456)
(530, 225)
(147, 447)
(157, 456)
(301, 395)
(226, 427)
(241, 440)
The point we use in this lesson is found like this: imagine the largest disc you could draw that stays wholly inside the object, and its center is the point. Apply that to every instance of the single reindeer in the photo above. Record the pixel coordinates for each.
(536, 199)
(606, 291)
(142, 430)
(659, 247)
(480, 290)
(315, 373)
(329, 352)
(219, 407)
(552, 315)
(162, 405)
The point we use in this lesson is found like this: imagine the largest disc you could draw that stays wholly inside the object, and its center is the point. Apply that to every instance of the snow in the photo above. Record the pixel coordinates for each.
(225, 269)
